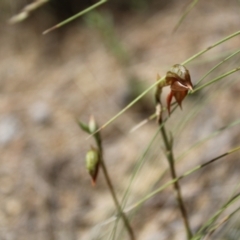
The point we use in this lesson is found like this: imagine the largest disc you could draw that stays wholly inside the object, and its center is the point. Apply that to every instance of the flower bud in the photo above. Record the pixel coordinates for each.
(92, 125)
(92, 164)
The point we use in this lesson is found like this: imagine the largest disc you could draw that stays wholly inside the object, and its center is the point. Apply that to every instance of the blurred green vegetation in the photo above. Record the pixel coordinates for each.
(63, 9)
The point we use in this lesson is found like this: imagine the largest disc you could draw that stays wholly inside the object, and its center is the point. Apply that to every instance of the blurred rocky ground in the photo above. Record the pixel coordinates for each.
(96, 65)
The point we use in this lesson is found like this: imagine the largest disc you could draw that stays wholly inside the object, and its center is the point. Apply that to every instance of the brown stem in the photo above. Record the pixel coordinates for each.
(111, 188)
(171, 161)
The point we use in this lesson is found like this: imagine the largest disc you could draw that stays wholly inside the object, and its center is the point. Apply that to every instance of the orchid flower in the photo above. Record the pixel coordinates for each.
(179, 80)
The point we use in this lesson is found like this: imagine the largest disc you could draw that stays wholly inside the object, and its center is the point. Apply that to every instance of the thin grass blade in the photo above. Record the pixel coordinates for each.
(74, 17)
(216, 79)
(184, 15)
(216, 66)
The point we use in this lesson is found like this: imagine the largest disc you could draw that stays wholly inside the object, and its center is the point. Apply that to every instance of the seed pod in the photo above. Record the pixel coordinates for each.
(92, 164)
(180, 82)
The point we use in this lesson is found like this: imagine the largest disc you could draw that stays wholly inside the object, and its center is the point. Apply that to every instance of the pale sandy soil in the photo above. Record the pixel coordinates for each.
(46, 82)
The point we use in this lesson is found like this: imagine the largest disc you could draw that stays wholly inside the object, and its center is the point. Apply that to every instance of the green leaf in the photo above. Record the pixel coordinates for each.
(84, 127)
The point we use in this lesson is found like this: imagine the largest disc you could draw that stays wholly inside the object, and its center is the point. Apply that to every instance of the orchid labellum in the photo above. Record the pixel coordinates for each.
(179, 80)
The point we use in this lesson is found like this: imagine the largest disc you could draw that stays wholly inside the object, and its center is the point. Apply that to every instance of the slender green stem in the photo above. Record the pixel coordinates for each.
(75, 16)
(171, 161)
(111, 188)
(216, 66)
(221, 223)
(189, 8)
(210, 47)
(203, 140)
(212, 220)
(216, 79)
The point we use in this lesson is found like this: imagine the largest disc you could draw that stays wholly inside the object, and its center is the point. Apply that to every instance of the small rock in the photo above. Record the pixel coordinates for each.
(13, 207)
(9, 129)
(40, 112)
